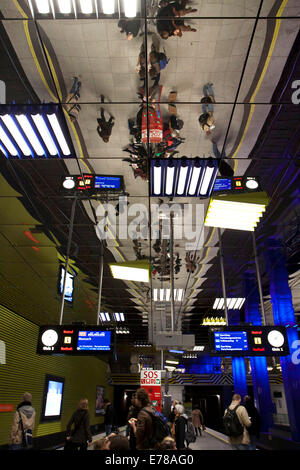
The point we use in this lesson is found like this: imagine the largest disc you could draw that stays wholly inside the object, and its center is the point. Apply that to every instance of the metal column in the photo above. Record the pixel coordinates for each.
(67, 259)
(172, 272)
(259, 279)
(223, 275)
(100, 282)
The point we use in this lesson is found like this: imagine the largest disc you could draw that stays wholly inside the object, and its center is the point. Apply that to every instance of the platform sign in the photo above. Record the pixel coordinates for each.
(249, 341)
(73, 340)
(151, 382)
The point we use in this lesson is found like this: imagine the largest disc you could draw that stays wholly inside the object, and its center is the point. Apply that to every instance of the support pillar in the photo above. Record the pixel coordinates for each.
(284, 314)
(259, 368)
(238, 363)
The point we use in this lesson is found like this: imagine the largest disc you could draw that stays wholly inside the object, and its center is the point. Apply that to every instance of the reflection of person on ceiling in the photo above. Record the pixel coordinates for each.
(104, 127)
(72, 107)
(174, 26)
(130, 27)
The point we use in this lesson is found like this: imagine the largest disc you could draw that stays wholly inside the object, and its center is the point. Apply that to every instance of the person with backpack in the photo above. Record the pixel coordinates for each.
(149, 428)
(23, 425)
(80, 436)
(254, 430)
(235, 422)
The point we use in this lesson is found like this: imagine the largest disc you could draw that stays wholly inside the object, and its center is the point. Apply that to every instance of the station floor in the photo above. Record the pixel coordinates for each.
(210, 440)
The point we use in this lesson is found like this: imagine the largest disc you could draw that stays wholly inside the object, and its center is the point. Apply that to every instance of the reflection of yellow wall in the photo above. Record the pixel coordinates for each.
(25, 371)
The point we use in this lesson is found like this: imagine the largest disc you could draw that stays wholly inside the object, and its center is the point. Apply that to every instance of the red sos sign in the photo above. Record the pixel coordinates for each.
(150, 374)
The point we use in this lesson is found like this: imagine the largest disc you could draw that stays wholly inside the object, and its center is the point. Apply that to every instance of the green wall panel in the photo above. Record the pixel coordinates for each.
(25, 371)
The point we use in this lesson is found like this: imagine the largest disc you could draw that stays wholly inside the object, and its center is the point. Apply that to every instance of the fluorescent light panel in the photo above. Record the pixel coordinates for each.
(43, 6)
(164, 295)
(19, 139)
(232, 303)
(130, 274)
(234, 215)
(108, 7)
(86, 7)
(183, 177)
(130, 7)
(59, 134)
(65, 6)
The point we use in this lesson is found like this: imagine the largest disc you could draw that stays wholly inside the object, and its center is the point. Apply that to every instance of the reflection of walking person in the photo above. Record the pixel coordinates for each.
(104, 127)
(206, 119)
(72, 107)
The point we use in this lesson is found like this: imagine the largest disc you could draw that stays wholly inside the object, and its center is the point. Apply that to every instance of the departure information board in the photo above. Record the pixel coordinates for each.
(237, 184)
(73, 340)
(248, 341)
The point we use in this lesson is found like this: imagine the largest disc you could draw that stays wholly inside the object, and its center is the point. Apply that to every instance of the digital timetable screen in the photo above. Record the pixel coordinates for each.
(248, 341)
(93, 341)
(73, 340)
(231, 341)
(107, 182)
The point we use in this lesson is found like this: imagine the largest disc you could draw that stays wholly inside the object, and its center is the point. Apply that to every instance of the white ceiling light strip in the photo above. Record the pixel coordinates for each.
(58, 133)
(65, 6)
(30, 134)
(209, 171)
(194, 180)
(7, 143)
(130, 7)
(86, 7)
(46, 136)
(43, 6)
(108, 7)
(182, 179)
(19, 139)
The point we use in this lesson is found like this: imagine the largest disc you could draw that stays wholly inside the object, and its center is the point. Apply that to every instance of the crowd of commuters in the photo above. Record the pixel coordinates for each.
(146, 427)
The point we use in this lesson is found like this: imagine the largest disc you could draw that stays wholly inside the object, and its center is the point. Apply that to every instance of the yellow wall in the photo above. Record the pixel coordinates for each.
(25, 371)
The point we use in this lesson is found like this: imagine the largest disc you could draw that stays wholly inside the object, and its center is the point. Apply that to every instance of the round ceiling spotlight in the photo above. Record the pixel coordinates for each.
(252, 184)
(69, 182)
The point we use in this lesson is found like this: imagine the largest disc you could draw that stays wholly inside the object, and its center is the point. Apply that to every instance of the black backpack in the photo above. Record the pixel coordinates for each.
(231, 423)
(160, 429)
(190, 435)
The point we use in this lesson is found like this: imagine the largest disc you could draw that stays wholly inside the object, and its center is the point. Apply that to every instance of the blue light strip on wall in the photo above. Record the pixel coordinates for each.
(34, 131)
(183, 177)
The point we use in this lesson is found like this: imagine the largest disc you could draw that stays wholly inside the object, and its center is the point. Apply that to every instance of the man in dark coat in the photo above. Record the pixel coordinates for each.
(104, 127)
(108, 417)
(254, 430)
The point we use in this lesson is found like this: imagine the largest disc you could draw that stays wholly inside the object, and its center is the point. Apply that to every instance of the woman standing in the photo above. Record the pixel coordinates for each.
(81, 434)
(197, 420)
(181, 420)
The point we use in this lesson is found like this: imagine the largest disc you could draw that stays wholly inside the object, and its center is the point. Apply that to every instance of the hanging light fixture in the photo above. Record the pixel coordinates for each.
(232, 303)
(236, 211)
(131, 271)
(183, 177)
(34, 131)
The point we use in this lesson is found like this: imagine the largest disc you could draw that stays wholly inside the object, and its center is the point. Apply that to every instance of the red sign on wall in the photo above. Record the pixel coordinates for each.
(151, 382)
(6, 408)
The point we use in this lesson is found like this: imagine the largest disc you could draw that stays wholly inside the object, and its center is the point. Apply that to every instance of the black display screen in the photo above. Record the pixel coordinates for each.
(73, 340)
(249, 341)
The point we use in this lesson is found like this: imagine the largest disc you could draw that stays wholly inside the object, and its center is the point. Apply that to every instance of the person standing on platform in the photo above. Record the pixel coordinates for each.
(197, 420)
(254, 430)
(236, 421)
(80, 436)
(108, 417)
(133, 413)
(23, 424)
(143, 425)
(181, 420)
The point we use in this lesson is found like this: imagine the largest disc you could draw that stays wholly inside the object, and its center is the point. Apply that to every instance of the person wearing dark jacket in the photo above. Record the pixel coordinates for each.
(104, 127)
(81, 434)
(108, 417)
(143, 424)
(254, 430)
(181, 420)
(133, 413)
